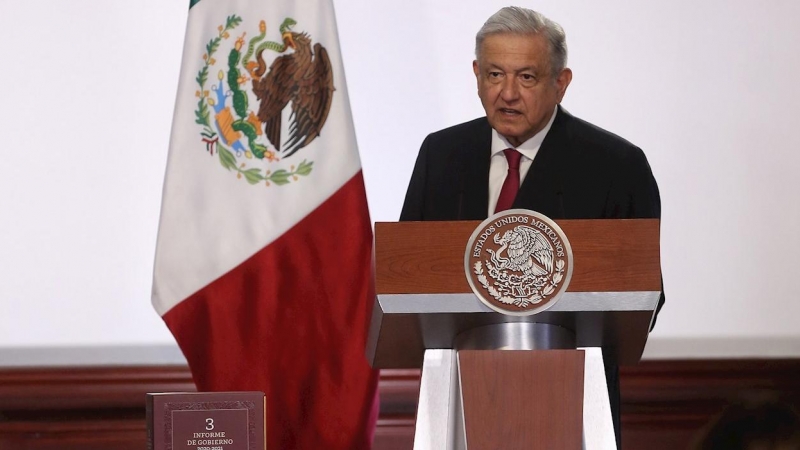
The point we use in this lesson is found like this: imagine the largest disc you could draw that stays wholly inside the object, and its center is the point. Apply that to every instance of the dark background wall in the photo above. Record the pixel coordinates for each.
(664, 403)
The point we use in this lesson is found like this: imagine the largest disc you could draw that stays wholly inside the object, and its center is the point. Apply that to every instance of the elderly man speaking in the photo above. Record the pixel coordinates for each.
(528, 151)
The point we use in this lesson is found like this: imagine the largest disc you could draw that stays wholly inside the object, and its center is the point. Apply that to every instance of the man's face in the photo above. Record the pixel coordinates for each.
(516, 85)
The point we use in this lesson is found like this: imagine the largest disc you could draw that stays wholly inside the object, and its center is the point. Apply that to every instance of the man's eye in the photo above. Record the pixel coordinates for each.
(528, 80)
(495, 74)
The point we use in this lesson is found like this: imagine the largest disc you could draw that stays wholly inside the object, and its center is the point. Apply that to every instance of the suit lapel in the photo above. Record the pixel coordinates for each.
(542, 187)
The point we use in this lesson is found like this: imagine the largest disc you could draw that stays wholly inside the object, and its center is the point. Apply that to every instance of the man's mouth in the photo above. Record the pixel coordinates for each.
(509, 111)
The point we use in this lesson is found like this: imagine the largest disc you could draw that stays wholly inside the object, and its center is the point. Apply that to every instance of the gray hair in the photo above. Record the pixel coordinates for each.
(513, 19)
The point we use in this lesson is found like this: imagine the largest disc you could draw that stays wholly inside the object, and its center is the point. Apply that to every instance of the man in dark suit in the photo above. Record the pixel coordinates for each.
(563, 167)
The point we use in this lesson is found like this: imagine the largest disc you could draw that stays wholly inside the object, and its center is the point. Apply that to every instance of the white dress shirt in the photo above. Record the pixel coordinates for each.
(498, 166)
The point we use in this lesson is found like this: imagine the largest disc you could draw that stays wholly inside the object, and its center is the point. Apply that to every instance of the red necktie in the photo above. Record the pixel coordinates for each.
(510, 187)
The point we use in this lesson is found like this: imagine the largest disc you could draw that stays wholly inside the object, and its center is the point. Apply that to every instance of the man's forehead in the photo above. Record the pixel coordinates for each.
(513, 44)
(514, 51)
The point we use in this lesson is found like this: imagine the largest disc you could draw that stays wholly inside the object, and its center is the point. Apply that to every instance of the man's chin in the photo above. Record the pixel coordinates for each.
(510, 133)
(510, 124)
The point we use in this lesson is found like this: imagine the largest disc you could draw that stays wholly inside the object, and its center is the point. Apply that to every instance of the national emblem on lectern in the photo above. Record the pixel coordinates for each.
(518, 262)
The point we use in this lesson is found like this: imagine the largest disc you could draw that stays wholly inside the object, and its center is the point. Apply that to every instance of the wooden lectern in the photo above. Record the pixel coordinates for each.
(475, 394)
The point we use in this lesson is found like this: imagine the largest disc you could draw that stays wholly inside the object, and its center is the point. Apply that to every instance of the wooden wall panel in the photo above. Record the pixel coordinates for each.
(664, 403)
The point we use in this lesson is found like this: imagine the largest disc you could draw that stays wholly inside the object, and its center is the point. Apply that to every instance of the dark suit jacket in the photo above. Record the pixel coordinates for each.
(580, 172)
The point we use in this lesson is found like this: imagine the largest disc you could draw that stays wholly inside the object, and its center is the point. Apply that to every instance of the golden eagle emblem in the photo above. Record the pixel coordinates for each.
(305, 79)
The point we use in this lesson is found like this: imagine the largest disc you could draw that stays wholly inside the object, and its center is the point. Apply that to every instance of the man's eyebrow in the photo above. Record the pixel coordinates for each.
(534, 69)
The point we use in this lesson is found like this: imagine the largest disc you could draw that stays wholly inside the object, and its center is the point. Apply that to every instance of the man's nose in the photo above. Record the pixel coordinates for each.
(510, 89)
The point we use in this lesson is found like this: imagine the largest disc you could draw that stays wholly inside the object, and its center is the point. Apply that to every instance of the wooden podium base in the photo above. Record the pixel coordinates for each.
(513, 399)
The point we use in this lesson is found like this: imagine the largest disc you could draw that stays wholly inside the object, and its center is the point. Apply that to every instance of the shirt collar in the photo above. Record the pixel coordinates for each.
(528, 148)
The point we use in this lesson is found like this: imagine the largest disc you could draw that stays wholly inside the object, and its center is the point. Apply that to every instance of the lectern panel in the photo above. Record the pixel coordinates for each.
(609, 255)
(522, 399)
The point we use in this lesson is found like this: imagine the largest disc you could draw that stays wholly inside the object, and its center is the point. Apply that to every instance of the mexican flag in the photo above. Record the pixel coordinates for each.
(263, 262)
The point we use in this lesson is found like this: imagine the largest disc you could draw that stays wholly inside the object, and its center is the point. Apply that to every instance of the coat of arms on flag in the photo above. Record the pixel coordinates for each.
(245, 134)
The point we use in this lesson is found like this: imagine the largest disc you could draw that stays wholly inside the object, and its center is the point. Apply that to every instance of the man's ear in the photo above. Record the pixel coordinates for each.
(476, 70)
(562, 82)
